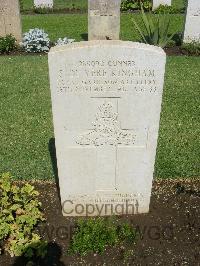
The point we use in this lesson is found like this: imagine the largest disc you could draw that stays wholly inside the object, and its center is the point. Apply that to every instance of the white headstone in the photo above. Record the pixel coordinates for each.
(103, 19)
(157, 3)
(43, 3)
(192, 24)
(10, 19)
(106, 100)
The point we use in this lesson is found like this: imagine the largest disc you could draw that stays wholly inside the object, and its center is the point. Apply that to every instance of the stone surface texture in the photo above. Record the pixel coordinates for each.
(43, 3)
(192, 23)
(106, 101)
(103, 19)
(10, 19)
(156, 3)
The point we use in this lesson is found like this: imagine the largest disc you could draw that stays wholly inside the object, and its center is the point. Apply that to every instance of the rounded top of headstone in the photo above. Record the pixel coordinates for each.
(102, 43)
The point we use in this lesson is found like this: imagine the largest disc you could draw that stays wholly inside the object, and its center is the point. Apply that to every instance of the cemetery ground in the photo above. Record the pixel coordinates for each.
(169, 234)
(76, 28)
(75, 25)
(81, 5)
(26, 104)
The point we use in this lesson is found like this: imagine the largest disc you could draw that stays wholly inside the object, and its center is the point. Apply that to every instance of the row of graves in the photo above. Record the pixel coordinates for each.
(103, 19)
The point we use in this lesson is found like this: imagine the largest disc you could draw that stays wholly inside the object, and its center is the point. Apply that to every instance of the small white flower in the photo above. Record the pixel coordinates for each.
(36, 40)
(63, 41)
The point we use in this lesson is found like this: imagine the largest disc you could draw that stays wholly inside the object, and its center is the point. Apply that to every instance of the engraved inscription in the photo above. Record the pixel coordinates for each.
(2, 10)
(107, 130)
(113, 198)
(114, 76)
(106, 198)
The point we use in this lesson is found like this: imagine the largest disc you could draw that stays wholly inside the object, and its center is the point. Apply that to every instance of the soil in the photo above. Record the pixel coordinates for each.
(175, 50)
(74, 10)
(20, 52)
(55, 11)
(168, 235)
(66, 11)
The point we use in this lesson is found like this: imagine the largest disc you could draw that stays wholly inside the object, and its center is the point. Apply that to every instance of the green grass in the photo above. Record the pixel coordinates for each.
(74, 26)
(57, 25)
(28, 4)
(26, 120)
(178, 146)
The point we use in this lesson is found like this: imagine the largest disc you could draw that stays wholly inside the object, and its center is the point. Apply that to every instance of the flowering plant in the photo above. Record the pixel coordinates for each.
(64, 41)
(36, 41)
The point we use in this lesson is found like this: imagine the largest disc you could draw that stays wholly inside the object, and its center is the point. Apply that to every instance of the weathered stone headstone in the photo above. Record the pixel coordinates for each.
(43, 3)
(192, 24)
(10, 19)
(157, 3)
(103, 19)
(106, 100)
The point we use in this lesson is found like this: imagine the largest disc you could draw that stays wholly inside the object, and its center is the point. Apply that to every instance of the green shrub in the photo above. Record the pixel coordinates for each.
(7, 44)
(35, 41)
(147, 5)
(19, 214)
(130, 5)
(127, 5)
(21, 4)
(126, 232)
(156, 30)
(165, 9)
(192, 48)
(93, 235)
(127, 255)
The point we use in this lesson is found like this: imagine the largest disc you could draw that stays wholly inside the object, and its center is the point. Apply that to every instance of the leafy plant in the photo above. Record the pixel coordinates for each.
(64, 41)
(130, 5)
(126, 232)
(156, 31)
(36, 41)
(21, 4)
(192, 48)
(147, 4)
(93, 235)
(165, 9)
(19, 214)
(127, 255)
(127, 5)
(7, 44)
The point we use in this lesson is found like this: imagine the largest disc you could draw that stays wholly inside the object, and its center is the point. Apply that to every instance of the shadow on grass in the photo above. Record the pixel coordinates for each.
(177, 38)
(52, 152)
(53, 257)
